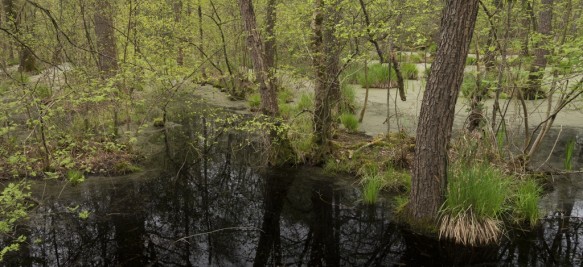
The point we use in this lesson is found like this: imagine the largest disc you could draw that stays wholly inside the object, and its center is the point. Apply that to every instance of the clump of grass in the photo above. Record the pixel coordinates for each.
(347, 98)
(349, 121)
(570, 148)
(285, 96)
(306, 102)
(335, 166)
(471, 60)
(410, 71)
(285, 110)
(378, 76)
(416, 58)
(254, 101)
(371, 187)
(526, 202)
(475, 201)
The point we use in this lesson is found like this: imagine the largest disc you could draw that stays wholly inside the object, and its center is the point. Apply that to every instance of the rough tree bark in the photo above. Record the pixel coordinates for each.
(267, 87)
(429, 176)
(106, 45)
(325, 61)
(177, 6)
(533, 90)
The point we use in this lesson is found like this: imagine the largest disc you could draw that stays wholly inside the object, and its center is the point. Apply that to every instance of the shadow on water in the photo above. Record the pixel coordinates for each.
(204, 203)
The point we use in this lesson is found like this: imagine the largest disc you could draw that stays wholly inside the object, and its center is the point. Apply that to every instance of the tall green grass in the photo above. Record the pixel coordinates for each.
(570, 148)
(409, 71)
(526, 201)
(372, 185)
(347, 98)
(479, 198)
(349, 121)
(378, 76)
(479, 188)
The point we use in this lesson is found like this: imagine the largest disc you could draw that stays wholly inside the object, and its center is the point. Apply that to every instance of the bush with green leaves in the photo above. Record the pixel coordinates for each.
(13, 209)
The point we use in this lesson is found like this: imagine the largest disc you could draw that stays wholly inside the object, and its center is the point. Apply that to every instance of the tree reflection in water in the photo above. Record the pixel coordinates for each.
(204, 205)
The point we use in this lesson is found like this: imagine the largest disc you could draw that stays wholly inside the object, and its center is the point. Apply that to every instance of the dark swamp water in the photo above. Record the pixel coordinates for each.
(202, 203)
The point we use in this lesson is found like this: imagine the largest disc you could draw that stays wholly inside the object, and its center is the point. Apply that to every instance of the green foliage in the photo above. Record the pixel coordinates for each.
(469, 85)
(372, 185)
(335, 166)
(349, 121)
(347, 98)
(416, 58)
(480, 189)
(306, 102)
(409, 71)
(84, 215)
(285, 96)
(525, 204)
(378, 76)
(254, 101)
(471, 61)
(75, 177)
(13, 209)
(569, 149)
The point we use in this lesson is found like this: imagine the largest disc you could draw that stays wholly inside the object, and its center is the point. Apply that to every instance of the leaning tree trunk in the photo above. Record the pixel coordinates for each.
(429, 177)
(534, 90)
(267, 88)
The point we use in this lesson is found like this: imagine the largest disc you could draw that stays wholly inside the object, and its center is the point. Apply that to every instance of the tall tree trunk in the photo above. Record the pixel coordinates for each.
(533, 90)
(106, 50)
(429, 177)
(267, 88)
(106, 45)
(270, 48)
(201, 39)
(325, 62)
(177, 6)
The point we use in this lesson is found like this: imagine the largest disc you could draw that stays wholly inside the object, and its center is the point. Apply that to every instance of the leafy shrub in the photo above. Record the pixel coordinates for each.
(471, 61)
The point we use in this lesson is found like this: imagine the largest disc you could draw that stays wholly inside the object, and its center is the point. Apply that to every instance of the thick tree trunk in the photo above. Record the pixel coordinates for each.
(106, 45)
(267, 86)
(534, 90)
(327, 86)
(429, 177)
